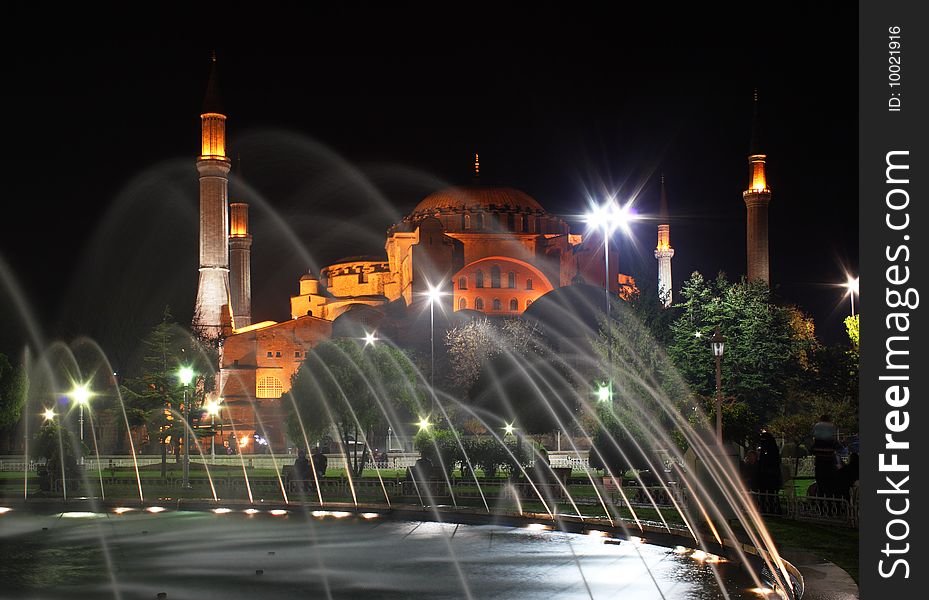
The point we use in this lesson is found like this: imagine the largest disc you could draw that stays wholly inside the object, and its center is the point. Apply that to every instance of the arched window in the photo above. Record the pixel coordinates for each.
(528, 284)
(514, 304)
(480, 220)
(462, 304)
(269, 387)
(467, 221)
(528, 303)
(497, 304)
(511, 279)
(462, 283)
(480, 279)
(494, 276)
(479, 304)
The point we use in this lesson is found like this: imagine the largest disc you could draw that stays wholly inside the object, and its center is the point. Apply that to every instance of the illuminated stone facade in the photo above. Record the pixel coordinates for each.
(492, 250)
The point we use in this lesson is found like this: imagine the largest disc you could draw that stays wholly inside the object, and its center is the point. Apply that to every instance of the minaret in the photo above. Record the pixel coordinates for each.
(664, 252)
(240, 261)
(757, 197)
(212, 316)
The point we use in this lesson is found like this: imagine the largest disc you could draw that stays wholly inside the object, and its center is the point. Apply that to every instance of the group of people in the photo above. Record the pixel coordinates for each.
(761, 468)
(761, 471)
(833, 478)
(302, 472)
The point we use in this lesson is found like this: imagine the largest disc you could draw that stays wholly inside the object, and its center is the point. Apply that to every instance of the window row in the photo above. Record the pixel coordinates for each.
(496, 304)
(479, 280)
(513, 222)
(277, 354)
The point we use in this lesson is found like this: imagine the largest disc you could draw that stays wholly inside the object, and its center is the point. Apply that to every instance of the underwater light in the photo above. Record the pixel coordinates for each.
(277, 512)
(122, 509)
(538, 527)
(222, 511)
(155, 509)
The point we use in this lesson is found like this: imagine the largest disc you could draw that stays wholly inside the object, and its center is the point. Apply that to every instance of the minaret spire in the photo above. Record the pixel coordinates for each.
(212, 314)
(663, 251)
(477, 168)
(757, 197)
(240, 255)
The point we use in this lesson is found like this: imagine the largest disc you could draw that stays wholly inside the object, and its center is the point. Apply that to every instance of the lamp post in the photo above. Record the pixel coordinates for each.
(607, 218)
(434, 295)
(852, 285)
(213, 409)
(80, 395)
(718, 343)
(185, 375)
(49, 414)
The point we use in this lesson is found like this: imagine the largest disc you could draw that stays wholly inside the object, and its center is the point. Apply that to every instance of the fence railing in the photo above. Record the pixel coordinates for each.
(824, 509)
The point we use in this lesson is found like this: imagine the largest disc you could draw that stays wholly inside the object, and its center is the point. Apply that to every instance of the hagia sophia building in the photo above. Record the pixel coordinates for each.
(494, 251)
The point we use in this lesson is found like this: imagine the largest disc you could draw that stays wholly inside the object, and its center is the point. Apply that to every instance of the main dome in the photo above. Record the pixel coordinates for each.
(460, 199)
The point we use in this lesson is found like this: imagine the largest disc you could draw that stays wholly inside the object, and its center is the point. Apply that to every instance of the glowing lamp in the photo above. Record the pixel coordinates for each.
(49, 414)
(610, 216)
(185, 375)
(212, 408)
(509, 429)
(424, 423)
(80, 394)
(852, 284)
(718, 342)
(434, 293)
(370, 338)
(603, 393)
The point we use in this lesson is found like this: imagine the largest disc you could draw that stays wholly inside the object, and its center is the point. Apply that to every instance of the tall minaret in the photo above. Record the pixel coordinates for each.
(212, 316)
(664, 252)
(757, 197)
(240, 259)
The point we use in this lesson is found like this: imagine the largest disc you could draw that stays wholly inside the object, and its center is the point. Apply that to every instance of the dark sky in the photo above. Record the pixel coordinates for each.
(345, 117)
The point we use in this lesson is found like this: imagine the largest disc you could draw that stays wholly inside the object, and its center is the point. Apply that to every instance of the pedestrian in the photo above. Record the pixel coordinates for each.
(847, 476)
(824, 456)
(769, 472)
(301, 470)
(320, 462)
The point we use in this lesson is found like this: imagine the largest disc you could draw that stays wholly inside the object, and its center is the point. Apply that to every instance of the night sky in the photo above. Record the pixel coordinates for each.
(343, 118)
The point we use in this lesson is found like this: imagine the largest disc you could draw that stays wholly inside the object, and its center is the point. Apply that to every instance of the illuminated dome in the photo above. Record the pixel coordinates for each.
(461, 199)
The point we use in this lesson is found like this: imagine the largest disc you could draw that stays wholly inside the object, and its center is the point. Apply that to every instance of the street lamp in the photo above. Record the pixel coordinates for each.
(607, 218)
(434, 294)
(213, 409)
(508, 429)
(852, 285)
(49, 414)
(424, 423)
(185, 375)
(370, 338)
(603, 392)
(718, 343)
(80, 394)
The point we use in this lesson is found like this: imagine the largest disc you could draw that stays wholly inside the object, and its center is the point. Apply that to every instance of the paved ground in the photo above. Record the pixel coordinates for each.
(824, 580)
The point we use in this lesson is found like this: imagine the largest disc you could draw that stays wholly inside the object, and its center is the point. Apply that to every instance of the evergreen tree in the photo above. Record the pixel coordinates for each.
(14, 388)
(150, 397)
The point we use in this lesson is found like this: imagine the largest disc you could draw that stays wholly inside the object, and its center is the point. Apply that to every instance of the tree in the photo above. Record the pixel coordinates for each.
(350, 388)
(14, 388)
(150, 397)
(767, 348)
(56, 444)
(851, 326)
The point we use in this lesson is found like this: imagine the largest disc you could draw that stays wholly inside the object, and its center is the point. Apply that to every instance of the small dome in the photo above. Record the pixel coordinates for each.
(459, 199)
(308, 276)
